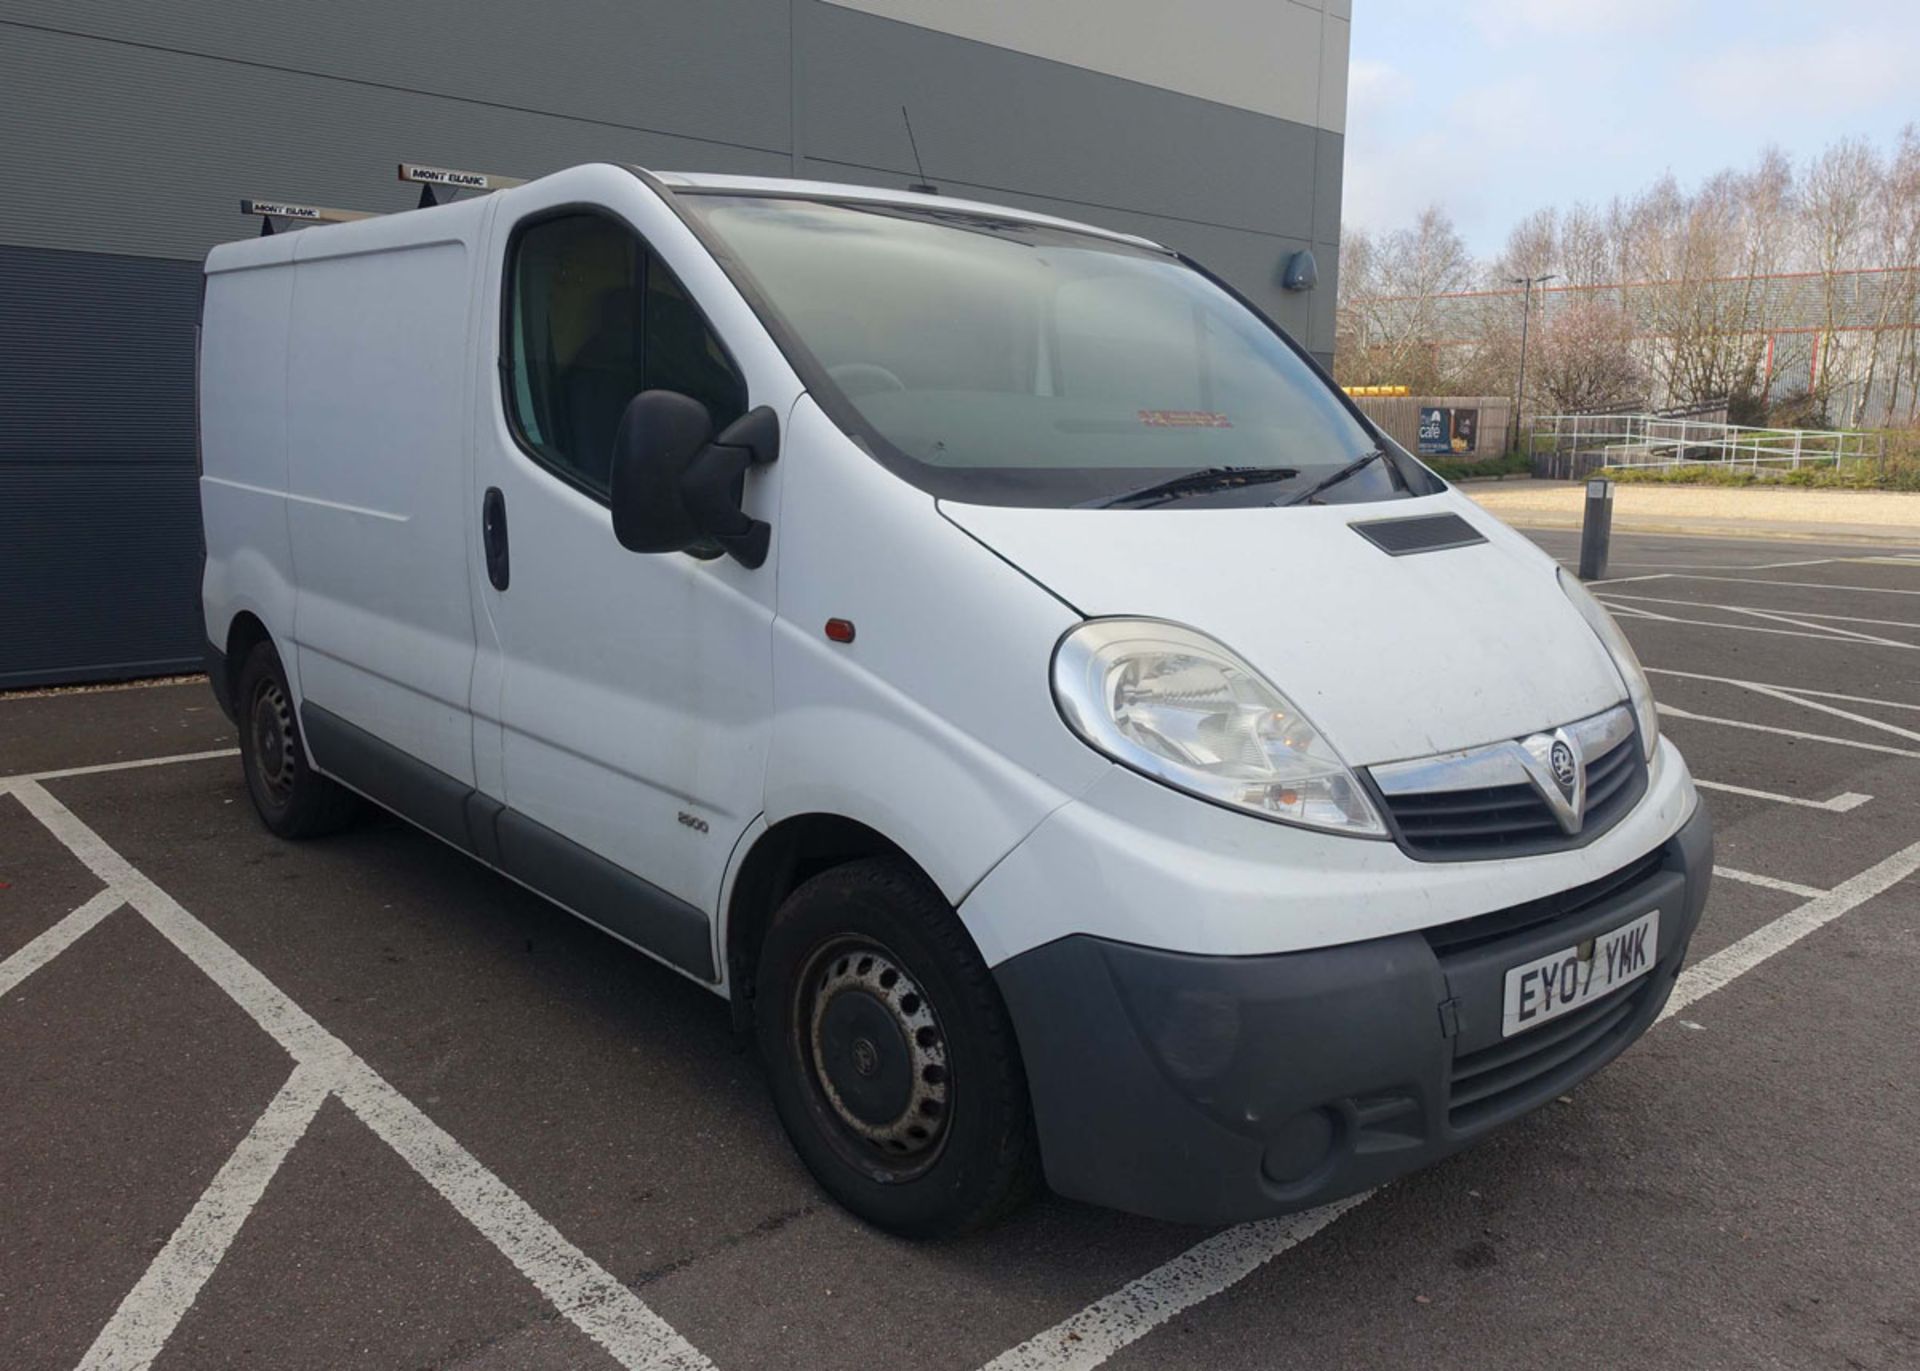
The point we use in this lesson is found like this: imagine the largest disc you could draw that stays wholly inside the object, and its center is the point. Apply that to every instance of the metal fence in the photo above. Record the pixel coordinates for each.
(1573, 446)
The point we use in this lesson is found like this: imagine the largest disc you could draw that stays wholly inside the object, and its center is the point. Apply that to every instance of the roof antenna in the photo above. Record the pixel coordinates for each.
(923, 186)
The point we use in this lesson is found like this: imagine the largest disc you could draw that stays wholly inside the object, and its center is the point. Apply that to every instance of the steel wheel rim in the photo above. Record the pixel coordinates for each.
(912, 1137)
(274, 742)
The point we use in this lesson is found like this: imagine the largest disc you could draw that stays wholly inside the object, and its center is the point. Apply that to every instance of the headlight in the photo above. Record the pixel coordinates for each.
(1639, 693)
(1176, 705)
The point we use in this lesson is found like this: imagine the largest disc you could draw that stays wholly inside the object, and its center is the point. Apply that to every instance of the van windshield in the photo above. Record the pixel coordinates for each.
(1000, 362)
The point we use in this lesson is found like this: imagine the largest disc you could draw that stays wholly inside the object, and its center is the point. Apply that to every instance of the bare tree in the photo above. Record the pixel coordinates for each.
(1838, 197)
(1772, 278)
(1896, 231)
(1393, 309)
(1533, 249)
(1583, 357)
(1589, 255)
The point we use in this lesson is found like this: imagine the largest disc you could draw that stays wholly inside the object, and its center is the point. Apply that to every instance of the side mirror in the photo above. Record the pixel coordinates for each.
(676, 486)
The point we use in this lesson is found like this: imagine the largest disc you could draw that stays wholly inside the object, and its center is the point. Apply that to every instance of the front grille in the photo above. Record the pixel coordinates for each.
(1463, 935)
(1517, 1073)
(1513, 820)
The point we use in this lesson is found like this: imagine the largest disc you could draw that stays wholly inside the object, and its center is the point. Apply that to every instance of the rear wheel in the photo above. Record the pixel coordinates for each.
(292, 799)
(893, 1064)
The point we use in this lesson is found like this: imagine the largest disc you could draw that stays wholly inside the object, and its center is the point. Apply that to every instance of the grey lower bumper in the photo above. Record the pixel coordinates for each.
(1216, 1089)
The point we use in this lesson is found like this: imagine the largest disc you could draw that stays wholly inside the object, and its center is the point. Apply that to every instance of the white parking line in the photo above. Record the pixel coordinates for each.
(1839, 804)
(1797, 615)
(57, 939)
(1736, 959)
(1837, 635)
(1138, 1307)
(95, 770)
(154, 1307)
(1673, 711)
(1836, 712)
(1796, 691)
(573, 1282)
(1089, 1338)
(1802, 585)
(1623, 580)
(1805, 892)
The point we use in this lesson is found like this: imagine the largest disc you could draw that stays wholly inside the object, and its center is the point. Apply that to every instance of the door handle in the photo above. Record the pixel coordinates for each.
(493, 531)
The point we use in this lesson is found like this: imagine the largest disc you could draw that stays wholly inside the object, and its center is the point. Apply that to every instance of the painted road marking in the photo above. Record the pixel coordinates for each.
(1204, 1270)
(1682, 568)
(1839, 804)
(1674, 711)
(1805, 892)
(1736, 959)
(1836, 712)
(1803, 585)
(1793, 621)
(1795, 691)
(154, 1307)
(600, 1306)
(1623, 580)
(57, 939)
(1087, 1339)
(1831, 636)
(97, 769)
(1798, 614)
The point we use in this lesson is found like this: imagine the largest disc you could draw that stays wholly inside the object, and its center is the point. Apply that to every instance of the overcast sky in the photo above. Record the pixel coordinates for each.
(1494, 108)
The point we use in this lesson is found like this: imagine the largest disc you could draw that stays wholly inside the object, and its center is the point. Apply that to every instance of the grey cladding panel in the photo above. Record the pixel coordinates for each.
(1011, 123)
(99, 503)
(716, 69)
(99, 570)
(98, 357)
(133, 151)
(1329, 170)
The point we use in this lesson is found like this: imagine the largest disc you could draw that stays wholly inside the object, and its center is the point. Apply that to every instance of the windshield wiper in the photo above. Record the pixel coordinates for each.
(1195, 483)
(1357, 465)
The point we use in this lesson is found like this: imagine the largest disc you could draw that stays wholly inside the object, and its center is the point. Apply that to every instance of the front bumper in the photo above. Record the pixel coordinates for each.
(1213, 1089)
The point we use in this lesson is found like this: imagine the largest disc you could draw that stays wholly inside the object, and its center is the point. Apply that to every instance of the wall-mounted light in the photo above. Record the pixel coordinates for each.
(1301, 272)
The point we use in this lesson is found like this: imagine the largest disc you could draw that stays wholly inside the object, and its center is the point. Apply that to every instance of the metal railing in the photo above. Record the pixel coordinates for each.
(1583, 443)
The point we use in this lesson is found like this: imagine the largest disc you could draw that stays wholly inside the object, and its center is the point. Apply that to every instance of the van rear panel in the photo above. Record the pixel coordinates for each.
(243, 435)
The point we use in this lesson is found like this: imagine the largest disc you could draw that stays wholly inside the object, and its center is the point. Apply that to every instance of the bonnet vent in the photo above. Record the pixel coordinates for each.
(1421, 533)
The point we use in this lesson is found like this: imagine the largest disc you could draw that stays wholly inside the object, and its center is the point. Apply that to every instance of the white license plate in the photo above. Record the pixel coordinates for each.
(1541, 990)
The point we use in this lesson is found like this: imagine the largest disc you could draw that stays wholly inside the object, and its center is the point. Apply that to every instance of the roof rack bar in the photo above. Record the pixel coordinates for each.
(431, 179)
(270, 210)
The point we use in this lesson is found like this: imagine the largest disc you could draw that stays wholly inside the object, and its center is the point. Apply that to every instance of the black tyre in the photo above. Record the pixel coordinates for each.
(292, 799)
(892, 1061)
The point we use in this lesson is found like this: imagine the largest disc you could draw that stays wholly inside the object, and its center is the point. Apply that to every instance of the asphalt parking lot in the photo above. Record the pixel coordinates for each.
(360, 1103)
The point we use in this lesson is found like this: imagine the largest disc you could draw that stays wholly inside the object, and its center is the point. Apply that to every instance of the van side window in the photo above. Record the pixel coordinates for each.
(593, 319)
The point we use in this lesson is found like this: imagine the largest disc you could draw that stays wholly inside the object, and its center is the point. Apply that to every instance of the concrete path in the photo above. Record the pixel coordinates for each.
(1884, 517)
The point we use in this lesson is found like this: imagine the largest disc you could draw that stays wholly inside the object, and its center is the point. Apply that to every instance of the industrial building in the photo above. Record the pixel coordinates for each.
(134, 130)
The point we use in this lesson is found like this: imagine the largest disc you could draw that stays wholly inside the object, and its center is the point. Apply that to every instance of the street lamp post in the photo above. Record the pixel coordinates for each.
(1527, 283)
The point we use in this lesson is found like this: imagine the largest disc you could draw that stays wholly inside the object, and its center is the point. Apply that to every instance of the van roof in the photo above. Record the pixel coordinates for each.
(404, 226)
(712, 183)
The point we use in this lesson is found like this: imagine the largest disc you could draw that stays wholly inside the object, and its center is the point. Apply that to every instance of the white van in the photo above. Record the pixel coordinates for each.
(980, 646)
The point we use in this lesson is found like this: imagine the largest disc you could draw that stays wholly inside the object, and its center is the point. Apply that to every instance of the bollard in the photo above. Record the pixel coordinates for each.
(1596, 530)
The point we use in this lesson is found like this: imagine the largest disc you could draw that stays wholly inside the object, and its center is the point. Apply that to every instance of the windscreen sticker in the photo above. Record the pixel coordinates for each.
(1184, 418)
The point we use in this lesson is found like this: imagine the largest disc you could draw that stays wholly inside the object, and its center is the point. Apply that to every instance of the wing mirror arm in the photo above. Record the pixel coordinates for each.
(713, 482)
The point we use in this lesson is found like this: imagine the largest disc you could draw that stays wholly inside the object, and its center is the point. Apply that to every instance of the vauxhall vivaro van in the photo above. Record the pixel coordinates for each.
(982, 647)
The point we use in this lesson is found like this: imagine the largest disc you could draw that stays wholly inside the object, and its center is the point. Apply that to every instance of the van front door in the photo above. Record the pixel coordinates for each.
(621, 700)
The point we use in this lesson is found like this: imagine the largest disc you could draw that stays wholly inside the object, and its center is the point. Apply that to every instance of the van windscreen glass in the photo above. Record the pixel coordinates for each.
(995, 361)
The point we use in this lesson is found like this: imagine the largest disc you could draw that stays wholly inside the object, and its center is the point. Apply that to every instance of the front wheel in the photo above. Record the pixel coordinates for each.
(893, 1063)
